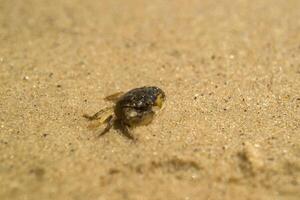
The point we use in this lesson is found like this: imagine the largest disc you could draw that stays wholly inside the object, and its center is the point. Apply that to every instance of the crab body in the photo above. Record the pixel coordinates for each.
(134, 108)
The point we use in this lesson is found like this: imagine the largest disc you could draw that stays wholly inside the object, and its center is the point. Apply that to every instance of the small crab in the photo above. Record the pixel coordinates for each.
(134, 108)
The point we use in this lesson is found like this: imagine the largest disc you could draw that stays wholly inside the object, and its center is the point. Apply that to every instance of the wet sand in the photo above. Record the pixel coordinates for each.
(231, 72)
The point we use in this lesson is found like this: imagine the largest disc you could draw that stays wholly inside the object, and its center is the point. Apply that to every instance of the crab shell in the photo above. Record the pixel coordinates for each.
(139, 106)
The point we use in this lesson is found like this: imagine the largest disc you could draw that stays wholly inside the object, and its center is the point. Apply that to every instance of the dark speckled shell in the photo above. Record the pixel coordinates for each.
(140, 100)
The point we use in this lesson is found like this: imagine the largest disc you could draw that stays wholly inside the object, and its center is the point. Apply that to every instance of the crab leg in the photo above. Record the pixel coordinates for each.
(102, 114)
(114, 97)
(110, 121)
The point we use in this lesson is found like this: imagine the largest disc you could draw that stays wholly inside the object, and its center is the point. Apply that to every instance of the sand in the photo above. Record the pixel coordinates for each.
(231, 125)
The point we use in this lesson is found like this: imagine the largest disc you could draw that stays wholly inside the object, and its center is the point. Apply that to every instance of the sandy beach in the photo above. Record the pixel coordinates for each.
(231, 124)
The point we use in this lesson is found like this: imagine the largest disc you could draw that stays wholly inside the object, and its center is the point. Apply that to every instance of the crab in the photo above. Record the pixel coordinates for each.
(134, 108)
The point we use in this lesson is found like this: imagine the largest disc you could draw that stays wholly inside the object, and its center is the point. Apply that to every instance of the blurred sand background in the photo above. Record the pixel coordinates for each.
(231, 72)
